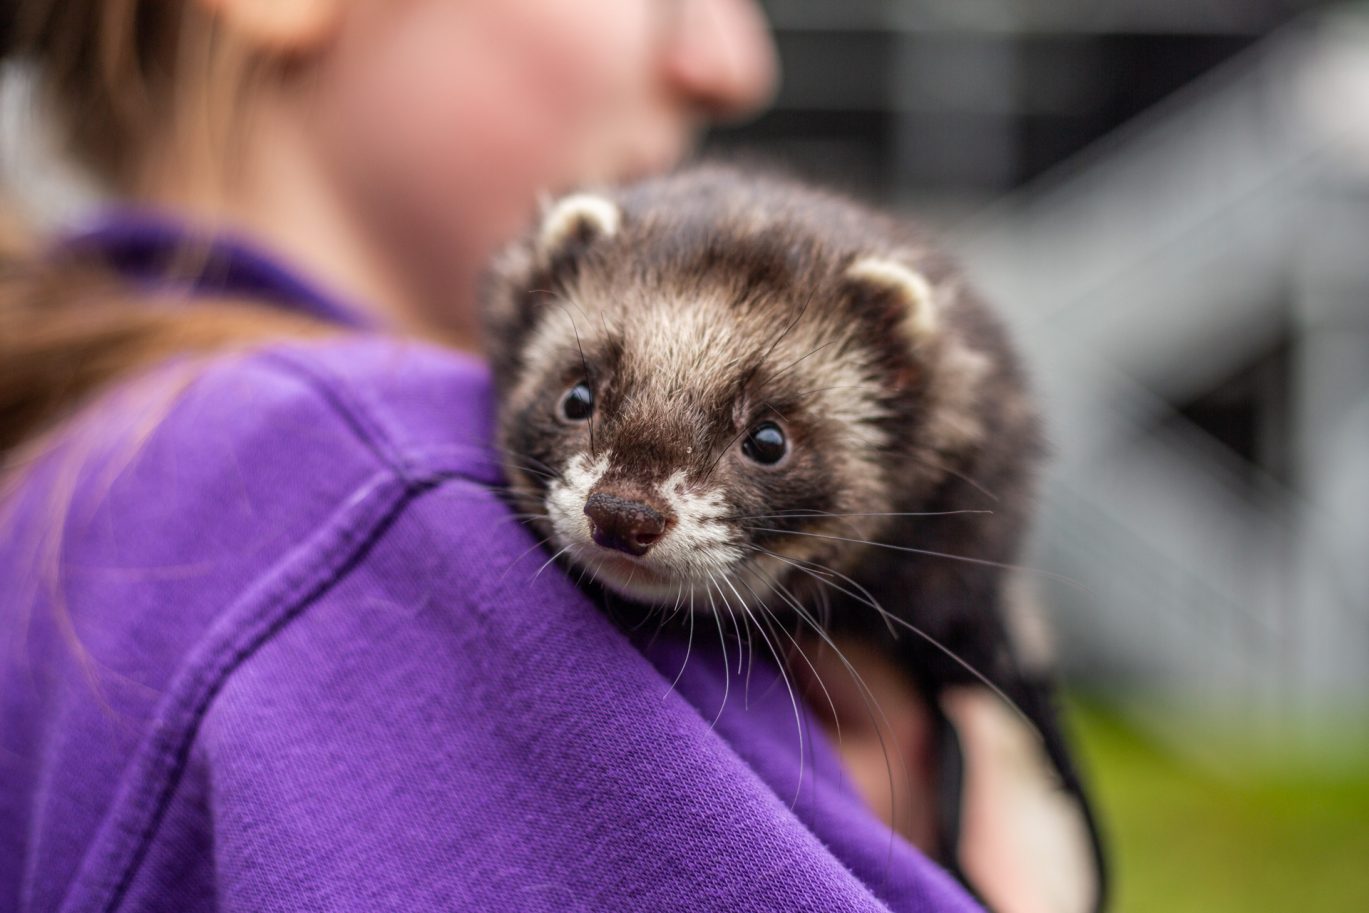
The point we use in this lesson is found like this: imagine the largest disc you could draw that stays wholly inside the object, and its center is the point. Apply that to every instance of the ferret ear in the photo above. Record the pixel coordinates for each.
(908, 289)
(576, 221)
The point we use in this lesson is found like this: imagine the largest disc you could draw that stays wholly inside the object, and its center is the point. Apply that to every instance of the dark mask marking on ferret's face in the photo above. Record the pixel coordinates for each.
(734, 375)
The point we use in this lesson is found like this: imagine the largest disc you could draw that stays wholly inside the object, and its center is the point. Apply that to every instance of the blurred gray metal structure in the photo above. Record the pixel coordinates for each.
(1231, 220)
(1225, 228)
(38, 179)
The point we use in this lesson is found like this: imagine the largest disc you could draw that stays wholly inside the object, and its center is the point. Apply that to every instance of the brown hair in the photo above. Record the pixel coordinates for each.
(112, 72)
(106, 68)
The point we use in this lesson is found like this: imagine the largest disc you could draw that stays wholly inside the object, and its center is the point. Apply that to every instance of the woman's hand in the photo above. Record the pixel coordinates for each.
(1023, 843)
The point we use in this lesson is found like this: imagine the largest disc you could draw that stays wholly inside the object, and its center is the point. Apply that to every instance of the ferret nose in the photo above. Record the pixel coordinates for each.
(624, 524)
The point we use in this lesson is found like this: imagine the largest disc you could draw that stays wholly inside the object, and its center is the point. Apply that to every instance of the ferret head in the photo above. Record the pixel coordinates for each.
(711, 385)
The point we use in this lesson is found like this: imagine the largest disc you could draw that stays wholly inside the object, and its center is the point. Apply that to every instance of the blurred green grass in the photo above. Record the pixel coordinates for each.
(1234, 833)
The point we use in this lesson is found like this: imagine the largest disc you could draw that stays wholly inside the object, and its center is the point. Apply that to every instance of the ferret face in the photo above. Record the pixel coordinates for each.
(701, 409)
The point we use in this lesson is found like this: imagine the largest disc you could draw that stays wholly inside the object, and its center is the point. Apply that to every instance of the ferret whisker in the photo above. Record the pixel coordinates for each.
(824, 596)
(722, 453)
(656, 613)
(942, 467)
(472, 490)
(751, 655)
(893, 619)
(651, 610)
(774, 343)
(689, 647)
(580, 578)
(947, 651)
(549, 561)
(813, 568)
(734, 614)
(498, 488)
(536, 545)
(804, 512)
(782, 591)
(593, 573)
(758, 607)
(514, 499)
(745, 379)
(782, 666)
(523, 519)
(679, 599)
(584, 364)
(872, 706)
(565, 302)
(531, 470)
(722, 643)
(811, 391)
(736, 628)
(793, 364)
(1061, 578)
(667, 616)
(526, 459)
(772, 408)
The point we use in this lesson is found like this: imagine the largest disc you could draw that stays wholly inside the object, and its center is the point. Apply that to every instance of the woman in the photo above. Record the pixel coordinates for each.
(268, 640)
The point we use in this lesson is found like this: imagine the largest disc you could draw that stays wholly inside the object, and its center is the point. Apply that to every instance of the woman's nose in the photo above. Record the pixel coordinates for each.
(719, 54)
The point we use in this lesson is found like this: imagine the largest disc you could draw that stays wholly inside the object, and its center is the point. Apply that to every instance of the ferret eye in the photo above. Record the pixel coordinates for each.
(765, 444)
(578, 403)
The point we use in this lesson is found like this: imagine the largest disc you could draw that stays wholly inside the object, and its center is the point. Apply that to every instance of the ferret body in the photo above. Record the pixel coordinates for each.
(719, 388)
(699, 308)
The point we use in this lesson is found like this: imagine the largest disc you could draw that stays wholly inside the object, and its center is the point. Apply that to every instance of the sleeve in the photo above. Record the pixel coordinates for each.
(441, 729)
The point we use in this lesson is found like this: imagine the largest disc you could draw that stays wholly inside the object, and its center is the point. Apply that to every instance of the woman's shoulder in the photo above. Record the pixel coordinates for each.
(199, 537)
(161, 505)
(414, 407)
(223, 461)
(168, 501)
(234, 437)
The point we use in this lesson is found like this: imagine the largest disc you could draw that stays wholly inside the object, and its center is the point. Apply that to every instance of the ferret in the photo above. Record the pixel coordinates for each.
(719, 387)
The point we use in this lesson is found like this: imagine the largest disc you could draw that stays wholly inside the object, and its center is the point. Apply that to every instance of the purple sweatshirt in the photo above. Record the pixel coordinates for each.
(269, 640)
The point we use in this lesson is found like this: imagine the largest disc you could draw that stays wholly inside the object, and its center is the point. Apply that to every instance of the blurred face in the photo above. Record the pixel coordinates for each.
(442, 120)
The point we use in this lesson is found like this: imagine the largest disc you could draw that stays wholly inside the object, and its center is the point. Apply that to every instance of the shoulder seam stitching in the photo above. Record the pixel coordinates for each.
(171, 747)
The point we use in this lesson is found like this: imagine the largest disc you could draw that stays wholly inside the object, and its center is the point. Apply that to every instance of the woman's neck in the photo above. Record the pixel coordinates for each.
(280, 195)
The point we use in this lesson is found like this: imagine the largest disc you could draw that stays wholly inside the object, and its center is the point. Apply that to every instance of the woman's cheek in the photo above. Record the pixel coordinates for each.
(500, 97)
(587, 72)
